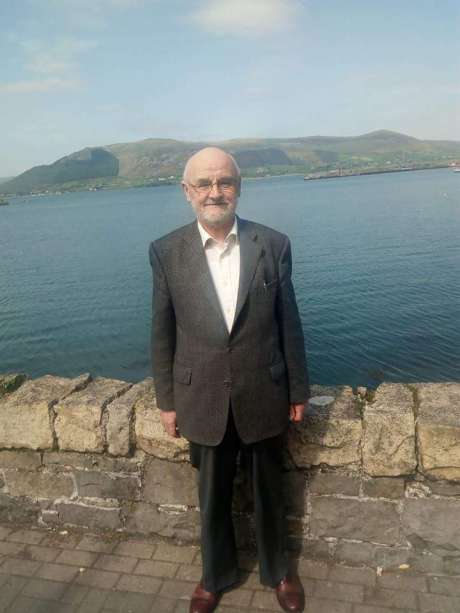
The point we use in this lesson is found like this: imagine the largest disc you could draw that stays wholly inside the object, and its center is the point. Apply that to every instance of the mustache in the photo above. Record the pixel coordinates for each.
(217, 201)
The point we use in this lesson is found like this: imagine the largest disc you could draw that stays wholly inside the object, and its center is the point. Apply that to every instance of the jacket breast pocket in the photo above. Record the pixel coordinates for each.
(268, 288)
(182, 374)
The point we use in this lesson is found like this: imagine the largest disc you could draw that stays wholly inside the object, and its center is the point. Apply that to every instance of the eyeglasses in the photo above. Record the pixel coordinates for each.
(223, 185)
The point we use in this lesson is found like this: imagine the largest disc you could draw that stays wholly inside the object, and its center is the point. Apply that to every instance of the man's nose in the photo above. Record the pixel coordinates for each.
(215, 192)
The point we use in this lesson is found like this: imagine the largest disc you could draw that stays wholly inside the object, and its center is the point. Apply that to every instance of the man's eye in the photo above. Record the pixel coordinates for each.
(204, 185)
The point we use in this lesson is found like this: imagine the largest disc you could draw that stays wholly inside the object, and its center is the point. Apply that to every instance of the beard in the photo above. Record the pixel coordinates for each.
(216, 215)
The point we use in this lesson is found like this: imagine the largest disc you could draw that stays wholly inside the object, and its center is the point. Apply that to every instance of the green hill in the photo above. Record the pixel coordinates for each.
(85, 164)
(155, 161)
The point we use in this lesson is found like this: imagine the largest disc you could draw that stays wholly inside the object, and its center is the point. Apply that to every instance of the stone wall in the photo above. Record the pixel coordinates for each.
(372, 477)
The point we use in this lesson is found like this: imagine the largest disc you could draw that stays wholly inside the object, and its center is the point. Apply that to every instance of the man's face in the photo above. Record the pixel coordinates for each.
(212, 187)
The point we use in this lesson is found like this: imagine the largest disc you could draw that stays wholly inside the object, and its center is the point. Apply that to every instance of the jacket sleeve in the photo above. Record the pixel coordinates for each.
(163, 334)
(292, 337)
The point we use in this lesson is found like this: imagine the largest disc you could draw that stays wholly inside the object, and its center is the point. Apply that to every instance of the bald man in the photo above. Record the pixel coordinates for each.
(230, 371)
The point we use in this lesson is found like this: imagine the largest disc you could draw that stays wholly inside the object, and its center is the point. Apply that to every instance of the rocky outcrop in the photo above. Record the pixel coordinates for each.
(369, 478)
(331, 432)
(26, 415)
(79, 423)
(389, 432)
(438, 429)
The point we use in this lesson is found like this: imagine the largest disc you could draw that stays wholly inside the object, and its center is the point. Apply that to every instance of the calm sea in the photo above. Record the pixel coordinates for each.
(376, 271)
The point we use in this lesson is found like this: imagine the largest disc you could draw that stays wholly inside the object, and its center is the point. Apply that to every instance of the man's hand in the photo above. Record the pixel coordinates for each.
(168, 419)
(296, 412)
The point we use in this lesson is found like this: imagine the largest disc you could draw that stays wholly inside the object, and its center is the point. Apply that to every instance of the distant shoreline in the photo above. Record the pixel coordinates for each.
(358, 173)
(335, 174)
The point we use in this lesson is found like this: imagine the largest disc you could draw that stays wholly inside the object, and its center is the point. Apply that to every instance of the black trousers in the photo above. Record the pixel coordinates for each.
(217, 468)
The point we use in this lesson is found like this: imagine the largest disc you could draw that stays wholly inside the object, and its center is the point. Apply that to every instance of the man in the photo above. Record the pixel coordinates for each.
(229, 367)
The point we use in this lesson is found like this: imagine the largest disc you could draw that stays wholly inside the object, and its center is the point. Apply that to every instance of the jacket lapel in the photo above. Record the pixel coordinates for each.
(250, 252)
(200, 276)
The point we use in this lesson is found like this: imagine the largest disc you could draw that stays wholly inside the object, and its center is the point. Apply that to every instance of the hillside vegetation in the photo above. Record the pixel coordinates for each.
(159, 161)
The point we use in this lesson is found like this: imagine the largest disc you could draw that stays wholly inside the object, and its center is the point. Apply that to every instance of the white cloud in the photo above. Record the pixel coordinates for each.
(246, 17)
(54, 66)
(34, 86)
(89, 14)
(58, 58)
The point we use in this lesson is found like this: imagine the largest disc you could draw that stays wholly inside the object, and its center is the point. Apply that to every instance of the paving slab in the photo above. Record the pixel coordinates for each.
(40, 572)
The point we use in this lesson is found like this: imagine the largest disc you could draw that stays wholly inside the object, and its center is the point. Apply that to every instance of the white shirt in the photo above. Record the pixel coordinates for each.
(224, 265)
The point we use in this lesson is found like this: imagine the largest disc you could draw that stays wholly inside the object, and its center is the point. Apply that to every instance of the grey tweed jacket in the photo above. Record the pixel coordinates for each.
(198, 366)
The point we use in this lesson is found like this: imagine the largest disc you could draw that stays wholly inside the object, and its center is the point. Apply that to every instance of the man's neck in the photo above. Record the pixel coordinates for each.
(219, 234)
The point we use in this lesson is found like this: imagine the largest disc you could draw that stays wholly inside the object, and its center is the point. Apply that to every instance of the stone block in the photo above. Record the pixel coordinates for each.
(10, 382)
(445, 488)
(361, 520)
(426, 562)
(384, 487)
(389, 432)
(79, 424)
(25, 415)
(49, 517)
(355, 553)
(150, 435)
(451, 565)
(92, 483)
(402, 600)
(120, 414)
(19, 459)
(38, 484)
(417, 489)
(334, 483)
(438, 429)
(391, 557)
(167, 482)
(331, 431)
(94, 517)
(145, 518)
(93, 461)
(316, 549)
(432, 524)
(18, 510)
(295, 493)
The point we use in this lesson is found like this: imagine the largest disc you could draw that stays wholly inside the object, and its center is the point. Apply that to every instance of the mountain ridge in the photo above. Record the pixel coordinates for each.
(152, 161)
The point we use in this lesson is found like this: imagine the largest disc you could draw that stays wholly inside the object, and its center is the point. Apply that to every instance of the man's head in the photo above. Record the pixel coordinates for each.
(211, 184)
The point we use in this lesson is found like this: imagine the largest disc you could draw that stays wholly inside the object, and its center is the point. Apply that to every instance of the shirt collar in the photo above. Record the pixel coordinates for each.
(206, 237)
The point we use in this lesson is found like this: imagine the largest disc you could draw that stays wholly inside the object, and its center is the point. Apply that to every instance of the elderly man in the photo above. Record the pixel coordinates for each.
(229, 366)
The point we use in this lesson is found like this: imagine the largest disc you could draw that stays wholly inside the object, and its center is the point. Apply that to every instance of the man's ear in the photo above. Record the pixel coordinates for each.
(186, 190)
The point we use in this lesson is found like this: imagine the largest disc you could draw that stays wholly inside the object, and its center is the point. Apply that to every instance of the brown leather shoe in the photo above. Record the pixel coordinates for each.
(203, 601)
(290, 594)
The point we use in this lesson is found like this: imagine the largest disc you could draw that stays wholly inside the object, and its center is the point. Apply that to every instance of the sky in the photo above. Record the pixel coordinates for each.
(78, 73)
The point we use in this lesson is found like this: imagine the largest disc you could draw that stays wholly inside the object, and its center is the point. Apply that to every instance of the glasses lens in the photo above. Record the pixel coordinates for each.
(225, 185)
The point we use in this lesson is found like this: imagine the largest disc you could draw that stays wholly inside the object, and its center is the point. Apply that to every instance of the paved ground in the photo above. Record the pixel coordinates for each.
(55, 572)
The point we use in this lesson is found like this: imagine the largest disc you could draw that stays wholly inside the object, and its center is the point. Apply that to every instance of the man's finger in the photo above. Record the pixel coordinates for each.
(168, 419)
(296, 412)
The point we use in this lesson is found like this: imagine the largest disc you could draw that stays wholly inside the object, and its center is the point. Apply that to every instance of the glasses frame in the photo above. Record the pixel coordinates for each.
(201, 189)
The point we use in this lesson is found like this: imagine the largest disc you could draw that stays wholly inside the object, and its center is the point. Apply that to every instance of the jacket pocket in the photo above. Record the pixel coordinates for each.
(277, 371)
(266, 289)
(182, 374)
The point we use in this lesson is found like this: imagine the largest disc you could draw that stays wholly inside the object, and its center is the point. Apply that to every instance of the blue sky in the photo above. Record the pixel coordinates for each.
(78, 73)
